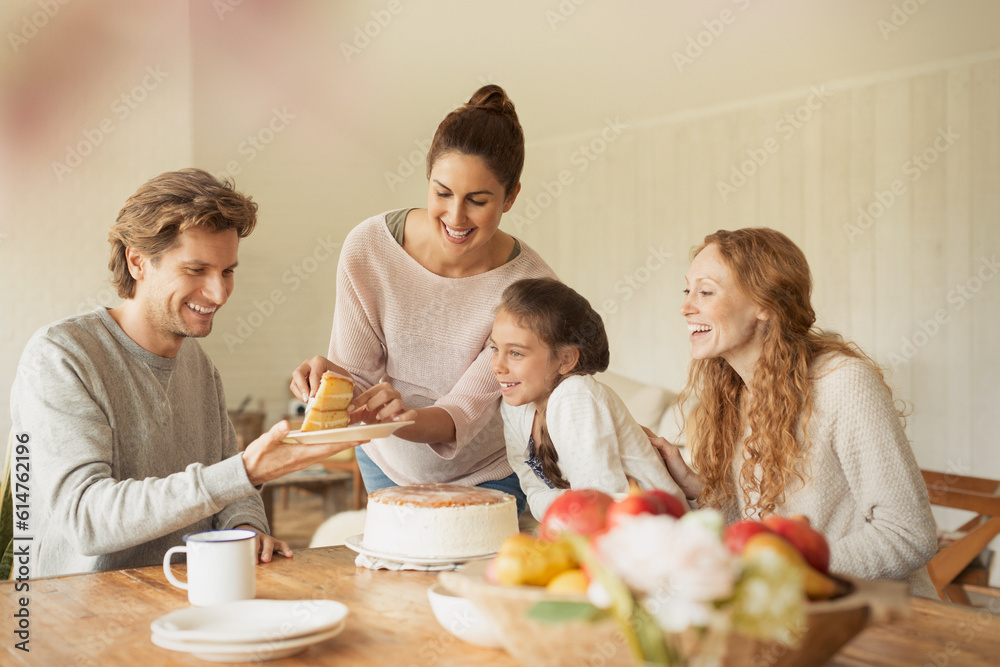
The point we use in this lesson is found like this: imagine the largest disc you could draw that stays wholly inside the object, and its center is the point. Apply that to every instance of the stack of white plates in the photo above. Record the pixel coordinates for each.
(249, 630)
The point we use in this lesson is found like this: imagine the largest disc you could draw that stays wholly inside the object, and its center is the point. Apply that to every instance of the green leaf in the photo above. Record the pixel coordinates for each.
(643, 635)
(653, 645)
(553, 611)
(7, 561)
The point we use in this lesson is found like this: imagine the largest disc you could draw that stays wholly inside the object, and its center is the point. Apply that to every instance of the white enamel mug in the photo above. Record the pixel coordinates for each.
(221, 566)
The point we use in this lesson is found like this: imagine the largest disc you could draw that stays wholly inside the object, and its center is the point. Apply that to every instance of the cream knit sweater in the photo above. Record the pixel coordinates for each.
(864, 490)
(426, 334)
(599, 444)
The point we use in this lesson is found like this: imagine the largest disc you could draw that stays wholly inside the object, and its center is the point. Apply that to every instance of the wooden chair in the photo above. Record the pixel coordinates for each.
(962, 565)
(340, 463)
(249, 425)
(358, 485)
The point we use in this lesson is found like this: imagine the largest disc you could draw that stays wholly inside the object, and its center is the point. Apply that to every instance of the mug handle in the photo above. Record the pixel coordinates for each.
(166, 567)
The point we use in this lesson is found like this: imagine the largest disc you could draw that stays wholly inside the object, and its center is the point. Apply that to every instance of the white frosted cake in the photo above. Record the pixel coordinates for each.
(438, 520)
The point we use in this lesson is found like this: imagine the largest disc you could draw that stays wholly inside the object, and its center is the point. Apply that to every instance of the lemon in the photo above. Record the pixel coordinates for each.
(570, 581)
(526, 560)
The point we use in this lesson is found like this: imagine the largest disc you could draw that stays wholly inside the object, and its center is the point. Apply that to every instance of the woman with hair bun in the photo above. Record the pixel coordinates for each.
(791, 420)
(416, 289)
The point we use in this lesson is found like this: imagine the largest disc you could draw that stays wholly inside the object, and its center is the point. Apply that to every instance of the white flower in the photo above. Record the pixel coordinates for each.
(680, 568)
(769, 603)
(711, 520)
(598, 595)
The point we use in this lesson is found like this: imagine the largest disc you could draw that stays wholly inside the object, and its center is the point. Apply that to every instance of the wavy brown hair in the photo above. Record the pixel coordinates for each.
(772, 271)
(486, 127)
(561, 318)
(163, 207)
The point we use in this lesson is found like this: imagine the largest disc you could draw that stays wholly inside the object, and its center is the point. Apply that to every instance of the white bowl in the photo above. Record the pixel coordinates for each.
(461, 618)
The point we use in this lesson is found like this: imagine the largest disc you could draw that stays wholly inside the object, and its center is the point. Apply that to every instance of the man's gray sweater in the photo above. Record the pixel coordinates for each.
(129, 451)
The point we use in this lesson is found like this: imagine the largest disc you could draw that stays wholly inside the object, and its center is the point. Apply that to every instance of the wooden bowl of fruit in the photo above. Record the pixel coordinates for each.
(536, 593)
(582, 641)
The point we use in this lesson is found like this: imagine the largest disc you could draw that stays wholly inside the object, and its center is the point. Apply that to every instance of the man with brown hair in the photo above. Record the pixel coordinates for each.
(131, 444)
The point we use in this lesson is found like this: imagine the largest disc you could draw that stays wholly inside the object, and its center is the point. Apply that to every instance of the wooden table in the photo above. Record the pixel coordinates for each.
(103, 619)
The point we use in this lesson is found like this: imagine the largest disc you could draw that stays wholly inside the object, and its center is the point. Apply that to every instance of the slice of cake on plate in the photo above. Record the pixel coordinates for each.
(328, 408)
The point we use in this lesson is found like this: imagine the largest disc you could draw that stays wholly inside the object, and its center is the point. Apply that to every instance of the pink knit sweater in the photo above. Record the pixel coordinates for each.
(425, 334)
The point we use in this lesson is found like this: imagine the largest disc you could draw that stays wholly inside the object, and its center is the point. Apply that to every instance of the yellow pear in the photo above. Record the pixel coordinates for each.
(526, 560)
(817, 585)
(570, 581)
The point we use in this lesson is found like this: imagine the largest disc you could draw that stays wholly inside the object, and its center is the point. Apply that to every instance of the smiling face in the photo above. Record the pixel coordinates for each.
(178, 294)
(465, 201)
(525, 366)
(722, 320)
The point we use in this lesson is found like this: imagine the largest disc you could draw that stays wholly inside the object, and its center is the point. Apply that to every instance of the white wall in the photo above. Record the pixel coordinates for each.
(332, 125)
(916, 282)
(91, 108)
(890, 184)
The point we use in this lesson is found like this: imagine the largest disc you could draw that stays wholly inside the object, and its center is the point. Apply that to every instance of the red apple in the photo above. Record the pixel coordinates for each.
(806, 540)
(634, 505)
(491, 572)
(580, 511)
(737, 534)
(671, 503)
(639, 501)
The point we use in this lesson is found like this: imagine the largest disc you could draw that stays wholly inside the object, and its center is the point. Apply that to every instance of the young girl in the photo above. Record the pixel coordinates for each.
(563, 428)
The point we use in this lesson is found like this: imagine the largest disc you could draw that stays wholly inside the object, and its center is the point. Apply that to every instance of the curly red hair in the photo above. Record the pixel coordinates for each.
(772, 271)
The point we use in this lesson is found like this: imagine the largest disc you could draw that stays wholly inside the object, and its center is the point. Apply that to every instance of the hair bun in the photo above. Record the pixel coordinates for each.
(492, 97)
(486, 127)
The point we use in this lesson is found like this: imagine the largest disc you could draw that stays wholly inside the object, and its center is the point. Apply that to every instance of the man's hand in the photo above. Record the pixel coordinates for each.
(686, 478)
(267, 545)
(306, 378)
(268, 458)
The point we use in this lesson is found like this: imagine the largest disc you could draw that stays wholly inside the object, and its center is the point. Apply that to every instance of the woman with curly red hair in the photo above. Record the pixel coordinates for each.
(788, 419)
